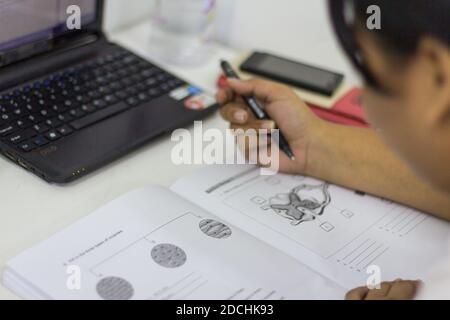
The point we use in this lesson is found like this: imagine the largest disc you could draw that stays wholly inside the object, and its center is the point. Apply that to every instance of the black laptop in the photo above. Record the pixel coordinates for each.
(71, 101)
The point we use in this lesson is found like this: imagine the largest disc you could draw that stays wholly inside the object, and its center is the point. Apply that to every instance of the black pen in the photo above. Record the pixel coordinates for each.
(257, 109)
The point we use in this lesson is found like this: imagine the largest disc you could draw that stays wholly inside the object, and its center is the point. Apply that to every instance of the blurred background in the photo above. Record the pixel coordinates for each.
(298, 29)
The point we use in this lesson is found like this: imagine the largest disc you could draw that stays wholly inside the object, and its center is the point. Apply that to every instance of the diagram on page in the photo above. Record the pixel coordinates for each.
(300, 204)
(169, 252)
(191, 256)
(321, 217)
(335, 231)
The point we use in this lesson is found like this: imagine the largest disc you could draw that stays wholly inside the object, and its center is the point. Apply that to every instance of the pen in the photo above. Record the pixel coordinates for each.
(257, 109)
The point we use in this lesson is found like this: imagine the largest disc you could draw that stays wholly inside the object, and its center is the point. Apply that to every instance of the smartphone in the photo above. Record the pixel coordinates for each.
(293, 73)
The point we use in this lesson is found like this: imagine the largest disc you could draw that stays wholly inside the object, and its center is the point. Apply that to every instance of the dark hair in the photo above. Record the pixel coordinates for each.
(405, 22)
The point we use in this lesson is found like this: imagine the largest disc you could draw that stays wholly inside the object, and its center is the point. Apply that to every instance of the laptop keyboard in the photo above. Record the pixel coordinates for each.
(62, 103)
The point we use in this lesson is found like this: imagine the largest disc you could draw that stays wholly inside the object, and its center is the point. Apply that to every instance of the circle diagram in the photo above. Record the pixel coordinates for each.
(168, 255)
(115, 288)
(215, 229)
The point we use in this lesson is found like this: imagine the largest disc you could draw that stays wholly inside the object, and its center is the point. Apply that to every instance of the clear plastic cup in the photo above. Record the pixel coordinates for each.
(182, 31)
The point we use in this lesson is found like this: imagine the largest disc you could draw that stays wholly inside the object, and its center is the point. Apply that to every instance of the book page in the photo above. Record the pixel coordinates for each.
(152, 244)
(347, 236)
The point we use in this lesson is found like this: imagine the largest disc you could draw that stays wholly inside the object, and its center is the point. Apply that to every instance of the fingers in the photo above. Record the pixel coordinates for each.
(357, 294)
(241, 118)
(395, 290)
(224, 95)
(404, 290)
(235, 113)
(379, 293)
(235, 109)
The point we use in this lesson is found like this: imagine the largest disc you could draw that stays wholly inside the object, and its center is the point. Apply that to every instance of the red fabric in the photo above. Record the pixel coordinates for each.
(331, 116)
(351, 105)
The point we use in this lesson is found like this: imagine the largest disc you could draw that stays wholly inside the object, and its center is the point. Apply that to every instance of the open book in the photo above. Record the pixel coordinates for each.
(227, 232)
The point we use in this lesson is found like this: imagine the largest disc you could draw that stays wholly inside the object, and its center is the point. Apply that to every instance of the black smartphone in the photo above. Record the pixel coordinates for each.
(293, 73)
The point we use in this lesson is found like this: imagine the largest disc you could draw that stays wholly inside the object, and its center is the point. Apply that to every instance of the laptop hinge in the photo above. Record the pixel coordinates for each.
(45, 46)
(78, 42)
(58, 57)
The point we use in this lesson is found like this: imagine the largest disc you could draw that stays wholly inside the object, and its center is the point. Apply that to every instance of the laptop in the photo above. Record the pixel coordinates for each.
(71, 101)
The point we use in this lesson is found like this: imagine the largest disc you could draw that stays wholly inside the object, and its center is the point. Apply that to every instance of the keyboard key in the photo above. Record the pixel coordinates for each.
(141, 86)
(143, 97)
(66, 117)
(18, 112)
(52, 135)
(76, 113)
(27, 146)
(41, 127)
(99, 115)
(99, 104)
(80, 98)
(40, 141)
(115, 86)
(127, 82)
(35, 118)
(54, 122)
(132, 91)
(45, 113)
(23, 123)
(6, 117)
(29, 107)
(110, 99)
(7, 129)
(133, 101)
(133, 69)
(149, 72)
(129, 60)
(65, 130)
(136, 78)
(88, 108)
(176, 83)
(165, 87)
(58, 108)
(162, 77)
(68, 103)
(154, 92)
(94, 94)
(21, 136)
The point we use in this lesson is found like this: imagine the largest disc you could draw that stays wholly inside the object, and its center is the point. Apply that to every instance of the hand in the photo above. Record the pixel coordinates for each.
(395, 290)
(288, 112)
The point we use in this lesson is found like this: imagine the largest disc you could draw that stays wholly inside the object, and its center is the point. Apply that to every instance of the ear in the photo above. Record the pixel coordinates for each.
(437, 58)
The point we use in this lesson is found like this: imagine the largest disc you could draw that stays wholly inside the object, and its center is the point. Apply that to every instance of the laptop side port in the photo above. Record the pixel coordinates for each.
(24, 165)
(10, 156)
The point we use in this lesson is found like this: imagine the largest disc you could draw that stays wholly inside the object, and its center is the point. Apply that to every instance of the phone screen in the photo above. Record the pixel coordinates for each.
(294, 73)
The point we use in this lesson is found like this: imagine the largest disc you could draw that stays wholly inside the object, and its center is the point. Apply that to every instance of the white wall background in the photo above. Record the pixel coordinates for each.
(294, 28)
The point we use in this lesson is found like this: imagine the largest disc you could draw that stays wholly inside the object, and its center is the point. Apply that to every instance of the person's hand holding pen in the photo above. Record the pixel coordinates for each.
(286, 111)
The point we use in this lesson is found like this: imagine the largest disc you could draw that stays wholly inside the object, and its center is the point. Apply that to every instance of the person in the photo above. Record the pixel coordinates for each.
(406, 96)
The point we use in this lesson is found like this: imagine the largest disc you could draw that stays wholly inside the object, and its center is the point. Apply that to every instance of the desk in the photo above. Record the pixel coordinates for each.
(32, 210)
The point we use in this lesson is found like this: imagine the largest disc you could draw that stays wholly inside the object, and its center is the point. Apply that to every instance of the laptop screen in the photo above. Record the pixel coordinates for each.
(25, 22)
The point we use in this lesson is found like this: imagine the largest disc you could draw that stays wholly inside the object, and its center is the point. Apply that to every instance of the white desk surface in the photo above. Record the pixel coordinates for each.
(32, 210)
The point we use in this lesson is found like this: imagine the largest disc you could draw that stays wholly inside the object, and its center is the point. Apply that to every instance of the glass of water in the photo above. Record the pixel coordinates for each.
(182, 31)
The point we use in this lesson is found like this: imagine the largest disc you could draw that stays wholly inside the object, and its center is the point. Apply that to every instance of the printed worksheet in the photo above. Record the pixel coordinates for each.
(153, 244)
(228, 232)
(345, 235)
